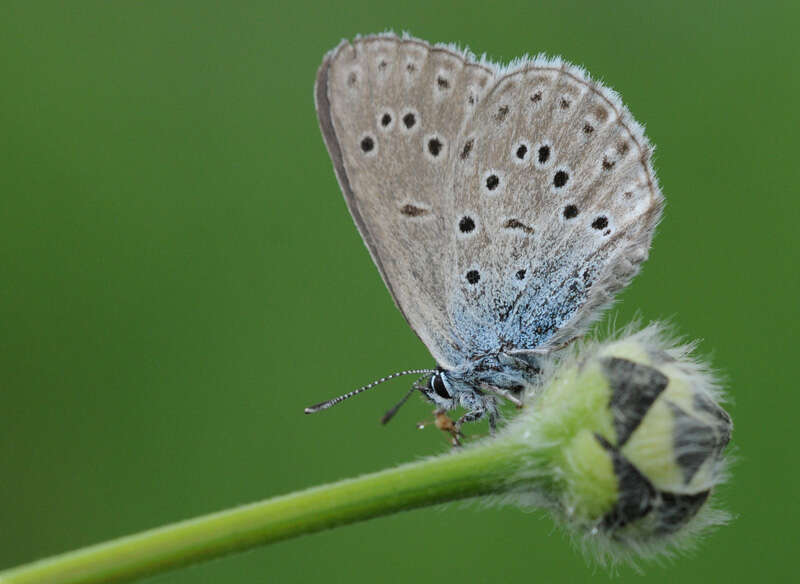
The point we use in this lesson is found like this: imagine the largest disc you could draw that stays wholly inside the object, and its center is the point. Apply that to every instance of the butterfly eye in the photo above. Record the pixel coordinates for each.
(438, 386)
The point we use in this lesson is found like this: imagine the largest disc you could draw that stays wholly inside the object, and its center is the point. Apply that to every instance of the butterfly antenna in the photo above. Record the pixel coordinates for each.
(390, 414)
(332, 402)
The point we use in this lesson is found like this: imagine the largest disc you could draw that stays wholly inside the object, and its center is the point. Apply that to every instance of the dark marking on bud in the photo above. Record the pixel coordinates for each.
(693, 440)
(723, 423)
(442, 83)
(674, 510)
(636, 493)
(634, 388)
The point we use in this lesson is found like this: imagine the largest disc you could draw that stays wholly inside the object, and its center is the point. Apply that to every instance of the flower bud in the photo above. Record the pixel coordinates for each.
(636, 439)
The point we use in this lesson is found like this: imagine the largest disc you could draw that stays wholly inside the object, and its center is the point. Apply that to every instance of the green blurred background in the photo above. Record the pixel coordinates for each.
(179, 275)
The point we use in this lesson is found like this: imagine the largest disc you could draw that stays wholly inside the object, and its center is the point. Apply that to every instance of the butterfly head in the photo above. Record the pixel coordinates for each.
(439, 389)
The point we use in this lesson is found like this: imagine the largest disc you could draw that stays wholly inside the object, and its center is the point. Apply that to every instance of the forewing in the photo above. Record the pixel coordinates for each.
(391, 111)
(559, 184)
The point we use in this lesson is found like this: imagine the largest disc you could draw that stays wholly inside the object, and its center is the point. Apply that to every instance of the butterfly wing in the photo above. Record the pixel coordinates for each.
(391, 110)
(559, 183)
(503, 208)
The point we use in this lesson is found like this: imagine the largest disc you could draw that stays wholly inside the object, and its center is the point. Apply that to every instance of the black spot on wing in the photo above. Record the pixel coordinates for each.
(466, 224)
(560, 179)
(367, 144)
(544, 154)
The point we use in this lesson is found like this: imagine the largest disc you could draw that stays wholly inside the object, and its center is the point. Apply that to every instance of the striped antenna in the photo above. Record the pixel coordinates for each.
(390, 414)
(332, 402)
(415, 387)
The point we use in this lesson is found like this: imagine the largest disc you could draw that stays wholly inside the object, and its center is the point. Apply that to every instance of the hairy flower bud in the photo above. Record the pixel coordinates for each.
(635, 438)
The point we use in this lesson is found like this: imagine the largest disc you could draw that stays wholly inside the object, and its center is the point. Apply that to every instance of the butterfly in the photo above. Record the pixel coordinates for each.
(503, 205)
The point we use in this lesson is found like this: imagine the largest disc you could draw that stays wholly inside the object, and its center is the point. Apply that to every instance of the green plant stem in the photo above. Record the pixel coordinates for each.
(457, 475)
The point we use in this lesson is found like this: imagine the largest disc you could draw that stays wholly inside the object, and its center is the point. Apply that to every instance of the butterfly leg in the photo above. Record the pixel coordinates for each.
(502, 393)
(470, 416)
(446, 425)
(492, 422)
